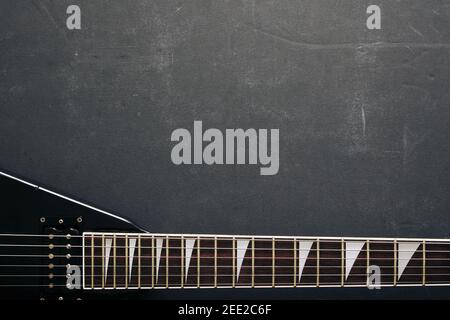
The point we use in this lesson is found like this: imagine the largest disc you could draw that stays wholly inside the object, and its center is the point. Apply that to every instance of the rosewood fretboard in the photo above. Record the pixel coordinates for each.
(113, 260)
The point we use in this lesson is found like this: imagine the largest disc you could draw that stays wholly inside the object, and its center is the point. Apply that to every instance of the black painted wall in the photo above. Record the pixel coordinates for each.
(363, 114)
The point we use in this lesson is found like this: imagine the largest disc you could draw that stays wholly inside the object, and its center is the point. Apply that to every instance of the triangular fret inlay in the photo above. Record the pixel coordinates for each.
(304, 247)
(352, 250)
(405, 252)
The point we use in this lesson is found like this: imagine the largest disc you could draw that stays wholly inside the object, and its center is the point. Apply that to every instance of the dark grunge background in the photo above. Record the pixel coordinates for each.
(363, 115)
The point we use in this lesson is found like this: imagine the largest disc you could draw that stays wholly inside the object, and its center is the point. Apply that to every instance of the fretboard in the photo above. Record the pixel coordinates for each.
(152, 261)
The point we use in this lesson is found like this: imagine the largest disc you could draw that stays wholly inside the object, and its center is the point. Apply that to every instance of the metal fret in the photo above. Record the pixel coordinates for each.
(273, 262)
(342, 261)
(115, 257)
(395, 263)
(215, 262)
(92, 261)
(295, 263)
(424, 263)
(234, 262)
(182, 263)
(126, 261)
(153, 262)
(198, 262)
(84, 260)
(253, 262)
(318, 263)
(103, 260)
(167, 261)
(367, 261)
(139, 261)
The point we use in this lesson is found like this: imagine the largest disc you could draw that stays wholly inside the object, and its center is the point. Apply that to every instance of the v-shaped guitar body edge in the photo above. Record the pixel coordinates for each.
(38, 220)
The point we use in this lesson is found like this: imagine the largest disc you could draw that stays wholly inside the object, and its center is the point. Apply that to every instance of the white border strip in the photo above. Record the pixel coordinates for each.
(276, 286)
(267, 237)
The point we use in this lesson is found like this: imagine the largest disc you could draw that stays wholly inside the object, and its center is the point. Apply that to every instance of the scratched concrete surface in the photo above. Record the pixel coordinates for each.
(364, 116)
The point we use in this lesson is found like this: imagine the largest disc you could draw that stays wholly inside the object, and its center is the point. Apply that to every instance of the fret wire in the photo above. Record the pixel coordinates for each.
(182, 262)
(103, 260)
(198, 262)
(318, 263)
(424, 262)
(126, 261)
(253, 262)
(367, 261)
(273, 262)
(139, 261)
(84, 262)
(342, 261)
(215, 262)
(153, 261)
(167, 261)
(295, 263)
(115, 257)
(233, 262)
(92, 261)
(395, 263)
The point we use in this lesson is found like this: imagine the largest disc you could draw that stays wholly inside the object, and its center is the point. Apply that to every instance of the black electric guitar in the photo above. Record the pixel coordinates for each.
(54, 247)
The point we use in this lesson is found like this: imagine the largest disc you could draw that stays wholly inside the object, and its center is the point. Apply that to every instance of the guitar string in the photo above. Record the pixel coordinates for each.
(222, 257)
(229, 275)
(149, 266)
(98, 247)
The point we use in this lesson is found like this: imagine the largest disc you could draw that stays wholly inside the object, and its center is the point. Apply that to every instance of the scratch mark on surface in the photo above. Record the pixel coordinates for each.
(42, 8)
(408, 147)
(415, 87)
(350, 45)
(253, 12)
(415, 30)
(435, 30)
(405, 143)
(363, 119)
(41, 5)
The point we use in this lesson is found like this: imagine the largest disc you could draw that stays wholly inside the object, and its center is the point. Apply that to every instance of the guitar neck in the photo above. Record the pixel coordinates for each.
(151, 261)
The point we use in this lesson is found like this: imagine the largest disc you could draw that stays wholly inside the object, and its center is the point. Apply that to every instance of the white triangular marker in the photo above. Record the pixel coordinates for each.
(159, 243)
(405, 252)
(187, 259)
(352, 250)
(132, 247)
(304, 247)
(108, 244)
(241, 249)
